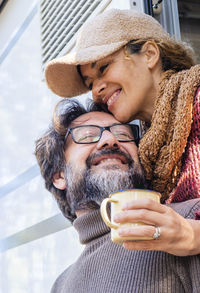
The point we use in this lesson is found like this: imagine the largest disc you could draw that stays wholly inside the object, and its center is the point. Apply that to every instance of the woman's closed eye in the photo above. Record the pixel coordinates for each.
(101, 71)
(103, 67)
(90, 86)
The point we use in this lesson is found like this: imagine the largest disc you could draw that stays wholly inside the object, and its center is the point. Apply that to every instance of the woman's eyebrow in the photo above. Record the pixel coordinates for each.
(85, 77)
(93, 64)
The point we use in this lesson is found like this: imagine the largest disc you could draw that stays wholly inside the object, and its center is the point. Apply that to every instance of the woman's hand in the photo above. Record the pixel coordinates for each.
(177, 234)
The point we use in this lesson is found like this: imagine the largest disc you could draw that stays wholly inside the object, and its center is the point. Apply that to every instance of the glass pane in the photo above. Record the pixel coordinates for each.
(33, 267)
(189, 16)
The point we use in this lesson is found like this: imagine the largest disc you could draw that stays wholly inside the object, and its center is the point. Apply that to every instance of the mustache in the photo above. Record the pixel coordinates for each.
(111, 151)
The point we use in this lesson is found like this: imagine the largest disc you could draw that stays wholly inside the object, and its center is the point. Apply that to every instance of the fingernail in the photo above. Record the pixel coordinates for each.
(125, 206)
(116, 219)
(120, 231)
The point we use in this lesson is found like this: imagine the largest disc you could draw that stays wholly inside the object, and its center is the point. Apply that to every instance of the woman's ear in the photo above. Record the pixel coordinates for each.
(59, 181)
(152, 54)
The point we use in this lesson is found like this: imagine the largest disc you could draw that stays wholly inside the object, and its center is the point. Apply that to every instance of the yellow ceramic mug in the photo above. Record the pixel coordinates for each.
(117, 200)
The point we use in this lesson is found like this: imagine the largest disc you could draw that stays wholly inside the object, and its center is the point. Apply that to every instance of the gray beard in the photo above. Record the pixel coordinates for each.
(86, 190)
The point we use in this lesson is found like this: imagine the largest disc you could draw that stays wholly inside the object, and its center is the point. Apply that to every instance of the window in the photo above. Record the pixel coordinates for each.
(60, 20)
(189, 16)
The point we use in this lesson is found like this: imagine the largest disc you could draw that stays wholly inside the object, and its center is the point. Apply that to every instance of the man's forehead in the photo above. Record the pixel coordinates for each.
(94, 118)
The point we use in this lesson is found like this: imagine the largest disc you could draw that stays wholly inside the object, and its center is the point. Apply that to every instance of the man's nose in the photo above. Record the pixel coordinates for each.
(98, 88)
(108, 140)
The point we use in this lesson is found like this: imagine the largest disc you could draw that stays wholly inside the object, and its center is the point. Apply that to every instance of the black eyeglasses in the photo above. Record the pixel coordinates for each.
(86, 134)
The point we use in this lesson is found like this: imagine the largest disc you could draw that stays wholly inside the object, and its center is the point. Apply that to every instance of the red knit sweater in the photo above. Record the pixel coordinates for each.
(188, 186)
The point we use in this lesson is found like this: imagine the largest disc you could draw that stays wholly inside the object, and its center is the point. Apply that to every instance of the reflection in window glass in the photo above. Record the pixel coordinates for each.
(189, 16)
(33, 267)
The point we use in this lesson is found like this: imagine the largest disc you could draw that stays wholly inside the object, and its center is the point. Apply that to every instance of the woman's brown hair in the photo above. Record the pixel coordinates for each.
(174, 55)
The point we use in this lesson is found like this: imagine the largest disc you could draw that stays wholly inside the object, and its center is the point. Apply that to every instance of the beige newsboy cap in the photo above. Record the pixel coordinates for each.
(98, 38)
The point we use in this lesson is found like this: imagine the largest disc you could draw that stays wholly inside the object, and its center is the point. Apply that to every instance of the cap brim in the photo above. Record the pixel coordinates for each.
(63, 79)
(61, 73)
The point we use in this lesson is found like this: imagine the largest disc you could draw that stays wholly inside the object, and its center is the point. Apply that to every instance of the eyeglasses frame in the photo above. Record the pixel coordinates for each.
(102, 129)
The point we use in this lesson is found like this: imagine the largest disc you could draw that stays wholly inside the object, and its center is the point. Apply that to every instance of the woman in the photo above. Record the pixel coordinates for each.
(133, 66)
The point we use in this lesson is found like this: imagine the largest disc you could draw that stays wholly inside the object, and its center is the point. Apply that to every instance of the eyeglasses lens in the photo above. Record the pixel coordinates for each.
(122, 132)
(87, 134)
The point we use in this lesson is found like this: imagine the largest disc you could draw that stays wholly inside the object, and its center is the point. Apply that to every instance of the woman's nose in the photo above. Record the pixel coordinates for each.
(98, 90)
(108, 140)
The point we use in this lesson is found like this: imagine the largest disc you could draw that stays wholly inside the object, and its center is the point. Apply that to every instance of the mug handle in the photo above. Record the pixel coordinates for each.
(104, 214)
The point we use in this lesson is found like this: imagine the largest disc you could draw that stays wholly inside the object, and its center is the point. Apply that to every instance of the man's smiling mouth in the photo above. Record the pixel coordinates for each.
(109, 156)
(109, 159)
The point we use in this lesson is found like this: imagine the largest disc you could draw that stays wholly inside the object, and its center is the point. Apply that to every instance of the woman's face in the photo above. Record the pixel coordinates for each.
(127, 86)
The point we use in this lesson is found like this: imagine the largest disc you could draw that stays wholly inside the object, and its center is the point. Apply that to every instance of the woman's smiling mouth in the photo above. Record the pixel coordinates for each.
(111, 99)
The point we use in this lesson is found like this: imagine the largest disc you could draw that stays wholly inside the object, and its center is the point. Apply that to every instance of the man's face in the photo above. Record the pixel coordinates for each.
(95, 170)
(77, 154)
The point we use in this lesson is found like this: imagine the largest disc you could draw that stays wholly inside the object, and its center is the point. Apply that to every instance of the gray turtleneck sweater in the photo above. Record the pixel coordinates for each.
(105, 267)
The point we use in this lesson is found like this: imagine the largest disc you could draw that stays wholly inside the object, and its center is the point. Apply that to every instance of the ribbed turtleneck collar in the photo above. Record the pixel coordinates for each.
(90, 226)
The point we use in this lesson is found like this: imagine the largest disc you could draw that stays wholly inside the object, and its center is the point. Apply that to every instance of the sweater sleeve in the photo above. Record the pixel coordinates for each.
(197, 215)
(189, 209)
(188, 185)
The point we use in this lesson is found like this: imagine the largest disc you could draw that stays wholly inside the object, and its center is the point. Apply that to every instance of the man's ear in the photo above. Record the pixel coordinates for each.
(59, 181)
(152, 54)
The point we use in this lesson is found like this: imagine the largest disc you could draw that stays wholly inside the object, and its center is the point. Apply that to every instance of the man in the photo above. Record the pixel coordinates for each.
(86, 155)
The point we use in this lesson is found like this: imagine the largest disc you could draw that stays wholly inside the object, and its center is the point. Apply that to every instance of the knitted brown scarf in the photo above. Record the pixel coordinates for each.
(162, 147)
